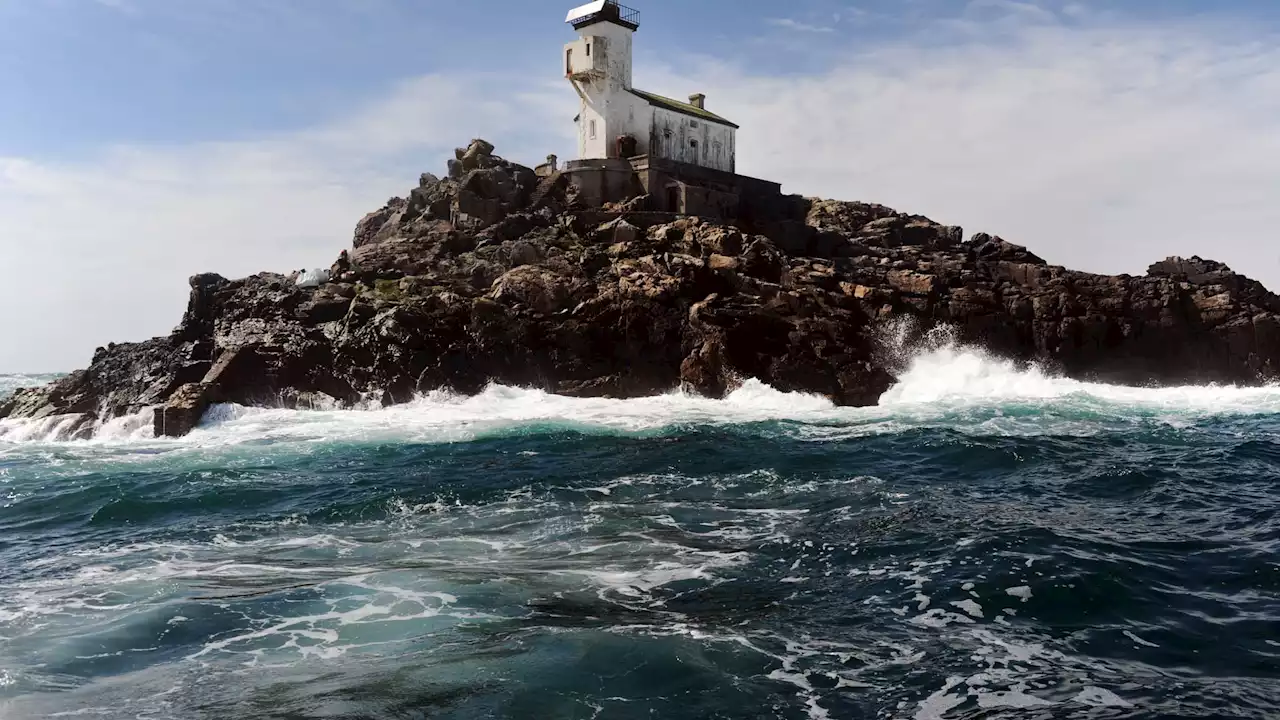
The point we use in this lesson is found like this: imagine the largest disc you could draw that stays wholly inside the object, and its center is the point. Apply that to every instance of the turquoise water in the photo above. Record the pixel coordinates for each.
(990, 542)
(9, 383)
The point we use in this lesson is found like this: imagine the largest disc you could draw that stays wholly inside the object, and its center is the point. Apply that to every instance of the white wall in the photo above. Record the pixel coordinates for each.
(601, 60)
(685, 138)
(608, 104)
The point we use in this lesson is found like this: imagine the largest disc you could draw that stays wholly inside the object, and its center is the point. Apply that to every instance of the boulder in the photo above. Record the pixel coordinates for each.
(538, 288)
(183, 411)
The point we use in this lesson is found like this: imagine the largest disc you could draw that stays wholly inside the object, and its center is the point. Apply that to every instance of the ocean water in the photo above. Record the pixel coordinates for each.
(9, 383)
(989, 542)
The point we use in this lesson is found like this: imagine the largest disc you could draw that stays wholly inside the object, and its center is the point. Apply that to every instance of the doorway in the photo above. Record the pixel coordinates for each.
(673, 198)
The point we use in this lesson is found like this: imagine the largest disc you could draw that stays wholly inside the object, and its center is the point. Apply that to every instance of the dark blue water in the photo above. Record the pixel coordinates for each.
(987, 544)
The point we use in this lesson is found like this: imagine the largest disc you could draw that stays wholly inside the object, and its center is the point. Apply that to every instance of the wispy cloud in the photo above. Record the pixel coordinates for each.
(790, 24)
(106, 244)
(125, 6)
(1102, 144)
(1013, 8)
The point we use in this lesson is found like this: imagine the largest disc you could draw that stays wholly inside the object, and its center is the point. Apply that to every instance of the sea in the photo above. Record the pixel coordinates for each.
(990, 541)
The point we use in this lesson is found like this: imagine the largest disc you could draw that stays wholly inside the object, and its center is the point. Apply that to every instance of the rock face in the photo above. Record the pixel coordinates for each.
(464, 282)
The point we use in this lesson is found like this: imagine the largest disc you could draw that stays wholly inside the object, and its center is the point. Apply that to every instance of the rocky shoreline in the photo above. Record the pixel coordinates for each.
(494, 274)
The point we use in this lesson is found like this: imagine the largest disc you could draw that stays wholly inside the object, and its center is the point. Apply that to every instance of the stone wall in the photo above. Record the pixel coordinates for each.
(694, 190)
(603, 181)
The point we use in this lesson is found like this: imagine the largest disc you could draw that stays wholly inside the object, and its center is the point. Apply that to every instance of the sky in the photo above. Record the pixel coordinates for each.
(144, 141)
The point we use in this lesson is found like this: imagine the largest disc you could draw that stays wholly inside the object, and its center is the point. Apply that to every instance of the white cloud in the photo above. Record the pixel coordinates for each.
(101, 250)
(1009, 10)
(1101, 145)
(798, 26)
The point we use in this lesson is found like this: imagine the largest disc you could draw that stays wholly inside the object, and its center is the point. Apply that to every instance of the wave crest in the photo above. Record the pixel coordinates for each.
(959, 375)
(940, 383)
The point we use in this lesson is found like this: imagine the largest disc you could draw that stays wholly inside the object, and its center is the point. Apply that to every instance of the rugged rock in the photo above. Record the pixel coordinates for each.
(485, 276)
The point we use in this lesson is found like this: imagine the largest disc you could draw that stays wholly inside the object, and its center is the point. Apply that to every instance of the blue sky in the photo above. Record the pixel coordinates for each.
(146, 140)
(78, 74)
(86, 72)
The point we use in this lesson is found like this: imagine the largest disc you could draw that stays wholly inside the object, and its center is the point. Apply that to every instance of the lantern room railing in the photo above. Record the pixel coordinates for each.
(612, 11)
(626, 14)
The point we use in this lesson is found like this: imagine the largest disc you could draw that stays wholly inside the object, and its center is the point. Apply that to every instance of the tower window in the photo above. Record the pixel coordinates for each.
(568, 61)
(593, 129)
(588, 49)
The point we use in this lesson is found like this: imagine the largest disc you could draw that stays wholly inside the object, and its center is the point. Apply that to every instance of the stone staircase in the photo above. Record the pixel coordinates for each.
(544, 188)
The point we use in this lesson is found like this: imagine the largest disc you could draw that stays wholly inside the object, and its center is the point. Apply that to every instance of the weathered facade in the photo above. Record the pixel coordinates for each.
(678, 156)
(615, 119)
(684, 138)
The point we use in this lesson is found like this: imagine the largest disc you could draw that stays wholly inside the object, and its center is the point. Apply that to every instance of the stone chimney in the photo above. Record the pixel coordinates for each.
(698, 100)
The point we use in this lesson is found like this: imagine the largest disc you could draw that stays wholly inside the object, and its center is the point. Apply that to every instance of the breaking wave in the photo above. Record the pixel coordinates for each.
(520, 554)
(961, 387)
(965, 375)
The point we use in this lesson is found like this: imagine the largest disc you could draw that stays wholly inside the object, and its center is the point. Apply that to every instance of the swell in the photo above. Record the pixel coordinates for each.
(854, 576)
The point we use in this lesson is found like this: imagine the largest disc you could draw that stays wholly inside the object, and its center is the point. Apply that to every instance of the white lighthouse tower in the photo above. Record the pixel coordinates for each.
(617, 121)
(598, 64)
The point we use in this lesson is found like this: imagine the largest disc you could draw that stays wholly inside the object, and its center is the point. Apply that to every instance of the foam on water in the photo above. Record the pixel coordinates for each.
(948, 384)
(9, 383)
(964, 375)
(443, 416)
(835, 580)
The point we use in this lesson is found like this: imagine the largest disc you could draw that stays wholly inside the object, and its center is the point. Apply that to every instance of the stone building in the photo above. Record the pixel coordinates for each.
(632, 142)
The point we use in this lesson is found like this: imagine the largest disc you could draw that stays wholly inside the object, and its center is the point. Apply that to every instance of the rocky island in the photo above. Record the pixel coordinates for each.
(498, 273)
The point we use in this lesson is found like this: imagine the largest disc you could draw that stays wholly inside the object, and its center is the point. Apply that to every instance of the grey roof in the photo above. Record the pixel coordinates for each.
(681, 107)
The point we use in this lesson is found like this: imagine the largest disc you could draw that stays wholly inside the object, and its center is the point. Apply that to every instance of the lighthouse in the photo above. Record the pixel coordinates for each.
(618, 121)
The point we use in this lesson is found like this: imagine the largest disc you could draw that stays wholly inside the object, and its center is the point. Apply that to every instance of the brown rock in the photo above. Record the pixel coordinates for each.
(182, 413)
(910, 282)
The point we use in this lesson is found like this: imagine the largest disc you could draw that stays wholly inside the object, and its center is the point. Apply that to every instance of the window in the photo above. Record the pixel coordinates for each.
(666, 133)
(693, 123)
(593, 129)
(588, 49)
(693, 144)
(568, 61)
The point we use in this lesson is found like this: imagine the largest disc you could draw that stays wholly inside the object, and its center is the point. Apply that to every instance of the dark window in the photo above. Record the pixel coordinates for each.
(693, 123)
(568, 61)
(588, 49)
(693, 144)
(666, 134)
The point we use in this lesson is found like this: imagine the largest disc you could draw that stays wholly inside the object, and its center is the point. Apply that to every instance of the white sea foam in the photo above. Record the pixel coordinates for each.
(64, 428)
(9, 383)
(948, 384)
(1022, 591)
(955, 374)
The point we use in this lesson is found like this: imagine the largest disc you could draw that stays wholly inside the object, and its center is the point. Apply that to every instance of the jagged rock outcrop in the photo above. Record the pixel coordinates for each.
(463, 283)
